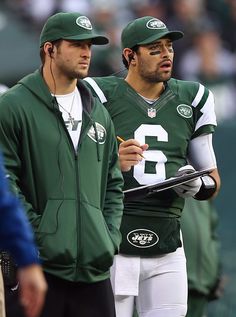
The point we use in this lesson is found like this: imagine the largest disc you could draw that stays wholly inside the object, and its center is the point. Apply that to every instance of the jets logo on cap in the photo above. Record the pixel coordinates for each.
(84, 22)
(155, 24)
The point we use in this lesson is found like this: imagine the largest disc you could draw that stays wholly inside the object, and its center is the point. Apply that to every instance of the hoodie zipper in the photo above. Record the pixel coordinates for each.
(84, 132)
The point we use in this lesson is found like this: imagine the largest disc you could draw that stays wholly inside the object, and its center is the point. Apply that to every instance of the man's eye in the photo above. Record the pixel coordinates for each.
(156, 47)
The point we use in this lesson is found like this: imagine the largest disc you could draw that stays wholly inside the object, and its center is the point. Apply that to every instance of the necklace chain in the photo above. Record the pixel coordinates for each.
(71, 119)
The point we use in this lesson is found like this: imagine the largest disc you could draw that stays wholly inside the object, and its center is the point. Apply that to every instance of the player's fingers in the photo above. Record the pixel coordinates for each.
(130, 142)
(33, 303)
(144, 147)
(135, 157)
(127, 161)
(131, 149)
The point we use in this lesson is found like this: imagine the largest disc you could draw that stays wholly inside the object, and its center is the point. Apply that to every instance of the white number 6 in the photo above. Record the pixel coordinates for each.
(151, 155)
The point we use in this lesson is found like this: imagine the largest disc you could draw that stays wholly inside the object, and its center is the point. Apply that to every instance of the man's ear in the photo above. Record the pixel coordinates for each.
(128, 54)
(49, 48)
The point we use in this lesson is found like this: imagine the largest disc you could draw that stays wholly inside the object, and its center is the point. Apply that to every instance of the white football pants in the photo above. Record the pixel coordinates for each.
(156, 286)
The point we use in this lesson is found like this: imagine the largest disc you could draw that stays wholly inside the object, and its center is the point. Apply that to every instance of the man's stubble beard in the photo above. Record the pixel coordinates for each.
(72, 73)
(77, 74)
(155, 76)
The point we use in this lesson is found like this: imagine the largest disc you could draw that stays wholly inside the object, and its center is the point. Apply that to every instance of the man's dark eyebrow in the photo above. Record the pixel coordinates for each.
(159, 42)
(151, 44)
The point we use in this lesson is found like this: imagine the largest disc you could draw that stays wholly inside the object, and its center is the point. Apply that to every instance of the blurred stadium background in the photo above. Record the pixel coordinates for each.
(207, 54)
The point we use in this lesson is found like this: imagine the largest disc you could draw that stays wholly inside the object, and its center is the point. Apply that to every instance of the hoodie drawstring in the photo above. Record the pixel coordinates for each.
(97, 143)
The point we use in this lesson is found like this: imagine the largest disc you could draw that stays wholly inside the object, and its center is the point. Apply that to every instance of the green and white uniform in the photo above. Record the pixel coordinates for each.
(185, 110)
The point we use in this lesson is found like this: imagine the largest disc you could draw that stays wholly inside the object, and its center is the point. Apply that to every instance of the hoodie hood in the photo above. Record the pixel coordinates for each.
(86, 96)
(36, 84)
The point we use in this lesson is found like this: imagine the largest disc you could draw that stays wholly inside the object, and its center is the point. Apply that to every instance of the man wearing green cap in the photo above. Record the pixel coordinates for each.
(61, 155)
(166, 125)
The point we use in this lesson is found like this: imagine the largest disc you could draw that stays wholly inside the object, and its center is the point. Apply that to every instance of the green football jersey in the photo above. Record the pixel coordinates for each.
(183, 111)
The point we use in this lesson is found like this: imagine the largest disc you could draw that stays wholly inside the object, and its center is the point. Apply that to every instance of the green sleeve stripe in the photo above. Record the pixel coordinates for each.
(204, 130)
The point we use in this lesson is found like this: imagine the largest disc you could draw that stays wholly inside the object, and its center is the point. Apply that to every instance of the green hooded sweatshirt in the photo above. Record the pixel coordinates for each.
(73, 198)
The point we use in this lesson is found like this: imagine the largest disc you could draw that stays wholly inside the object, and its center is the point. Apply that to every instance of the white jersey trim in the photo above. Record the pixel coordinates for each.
(96, 88)
(208, 110)
(199, 95)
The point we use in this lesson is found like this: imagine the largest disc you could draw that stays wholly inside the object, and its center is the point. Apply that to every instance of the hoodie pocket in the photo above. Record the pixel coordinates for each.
(57, 232)
(97, 246)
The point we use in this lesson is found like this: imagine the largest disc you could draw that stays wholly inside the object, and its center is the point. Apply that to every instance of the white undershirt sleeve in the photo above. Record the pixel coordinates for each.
(201, 153)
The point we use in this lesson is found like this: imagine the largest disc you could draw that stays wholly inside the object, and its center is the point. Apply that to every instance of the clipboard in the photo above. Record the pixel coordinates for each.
(146, 190)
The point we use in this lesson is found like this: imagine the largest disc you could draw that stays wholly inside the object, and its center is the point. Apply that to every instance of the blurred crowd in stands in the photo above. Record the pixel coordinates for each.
(206, 54)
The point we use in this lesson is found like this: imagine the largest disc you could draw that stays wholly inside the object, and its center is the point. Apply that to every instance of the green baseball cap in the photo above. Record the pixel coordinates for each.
(70, 26)
(146, 30)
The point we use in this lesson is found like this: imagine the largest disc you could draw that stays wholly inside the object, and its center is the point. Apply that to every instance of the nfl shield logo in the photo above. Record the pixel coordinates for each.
(152, 112)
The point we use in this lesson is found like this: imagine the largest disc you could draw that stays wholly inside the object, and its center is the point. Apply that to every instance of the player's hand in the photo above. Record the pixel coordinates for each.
(190, 188)
(130, 154)
(32, 287)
